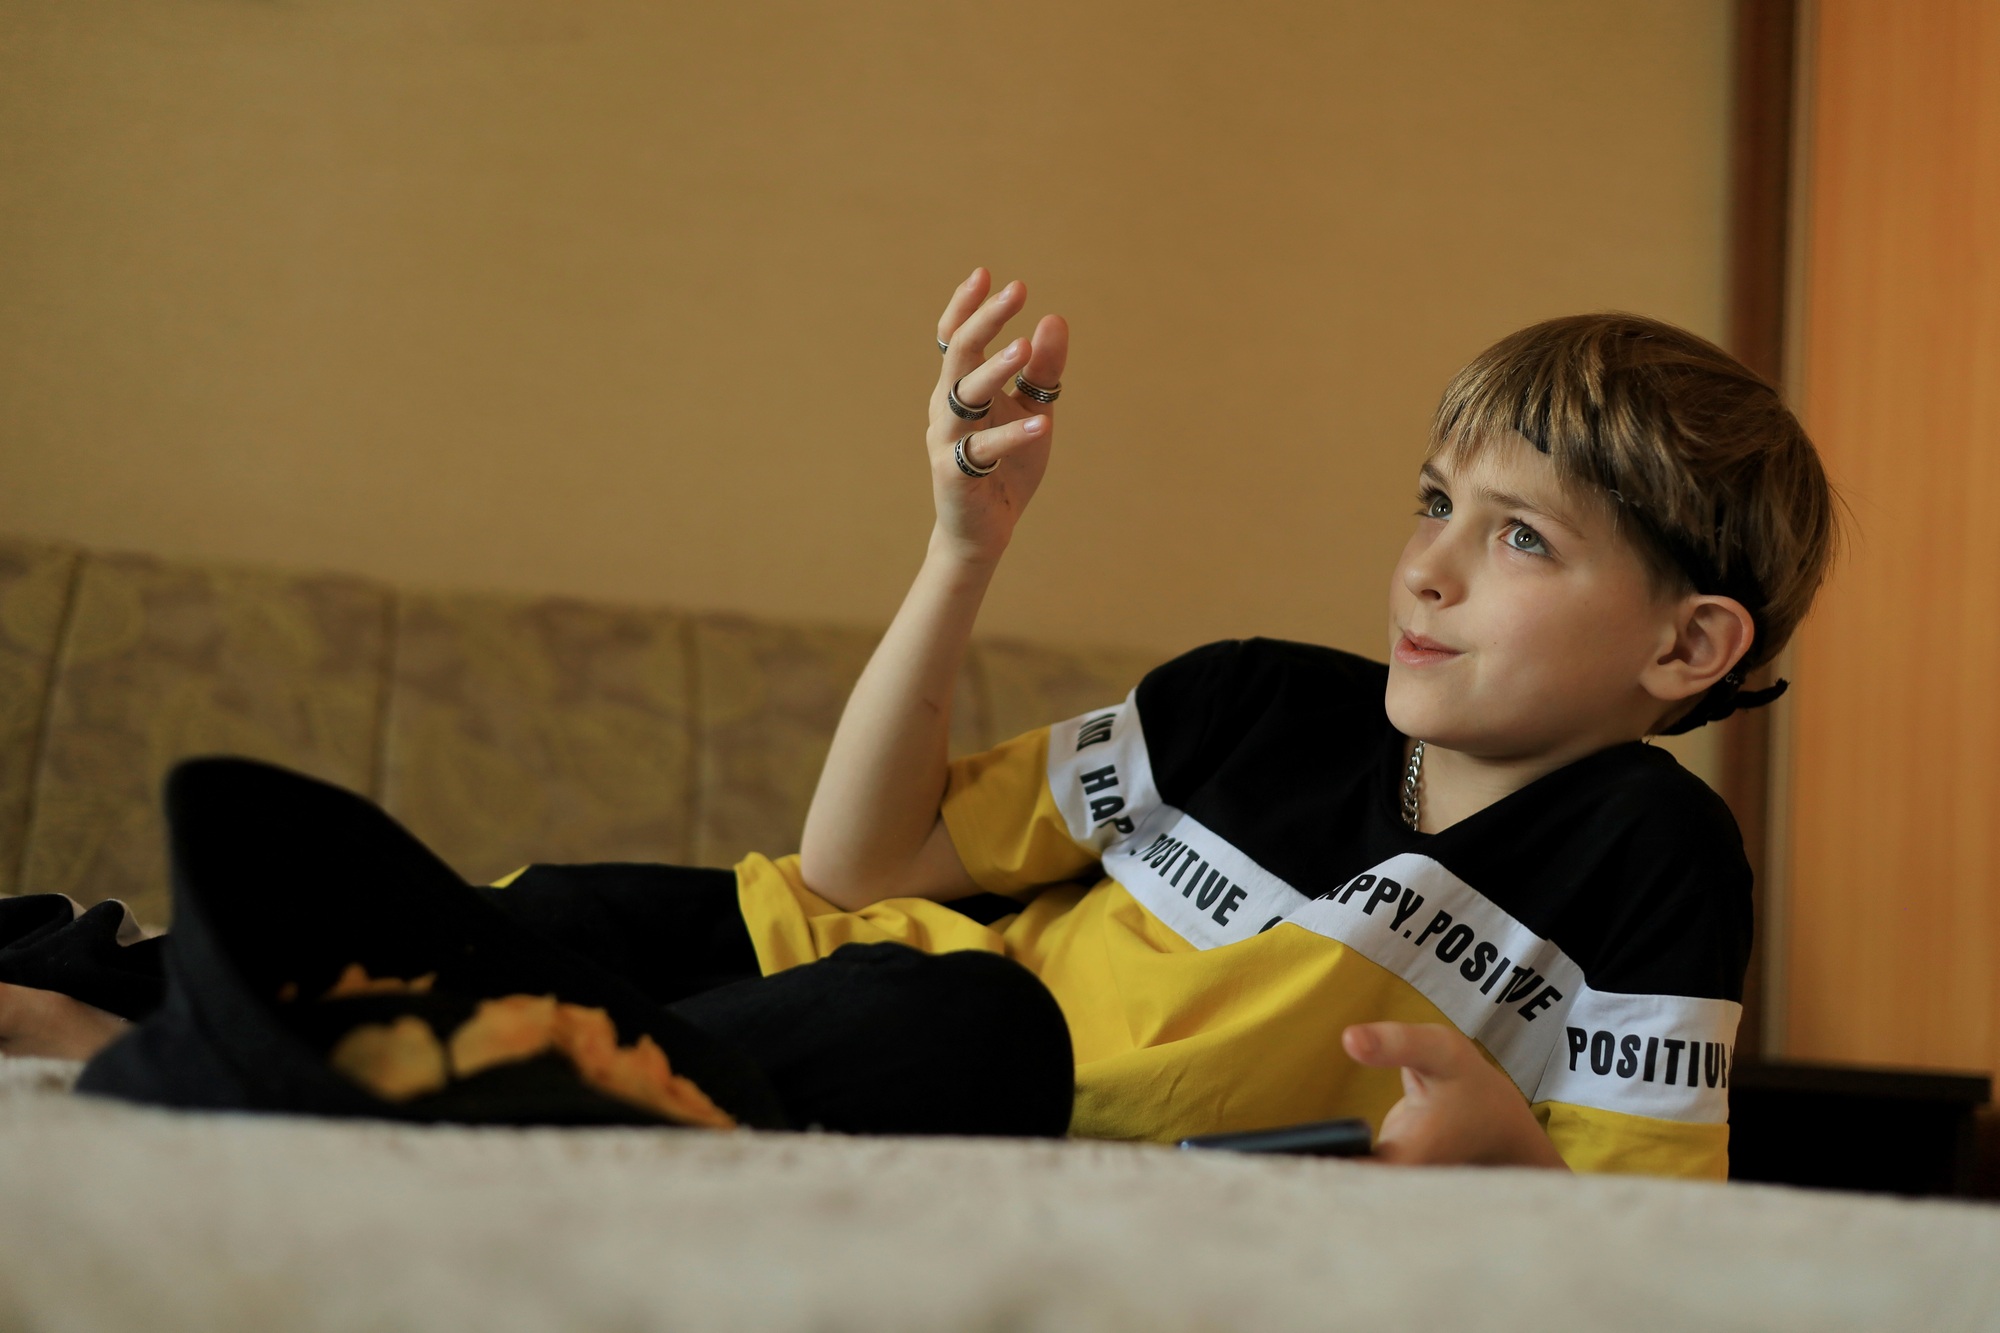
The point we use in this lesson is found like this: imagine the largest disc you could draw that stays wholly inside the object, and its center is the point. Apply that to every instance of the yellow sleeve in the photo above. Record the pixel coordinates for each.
(1615, 1143)
(789, 924)
(1004, 822)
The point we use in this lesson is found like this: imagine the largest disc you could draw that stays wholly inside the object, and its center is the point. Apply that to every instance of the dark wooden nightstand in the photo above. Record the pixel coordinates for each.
(1851, 1127)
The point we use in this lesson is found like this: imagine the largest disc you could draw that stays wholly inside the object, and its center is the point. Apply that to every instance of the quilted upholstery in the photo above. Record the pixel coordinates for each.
(502, 730)
(160, 661)
(35, 592)
(548, 730)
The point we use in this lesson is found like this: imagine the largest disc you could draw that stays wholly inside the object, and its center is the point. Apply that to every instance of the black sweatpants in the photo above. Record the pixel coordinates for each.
(877, 1038)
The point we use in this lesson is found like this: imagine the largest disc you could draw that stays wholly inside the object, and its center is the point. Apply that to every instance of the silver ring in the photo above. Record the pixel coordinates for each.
(965, 464)
(960, 410)
(1036, 391)
(943, 346)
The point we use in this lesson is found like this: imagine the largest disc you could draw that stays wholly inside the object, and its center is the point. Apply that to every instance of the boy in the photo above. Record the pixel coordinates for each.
(1616, 521)
(1274, 875)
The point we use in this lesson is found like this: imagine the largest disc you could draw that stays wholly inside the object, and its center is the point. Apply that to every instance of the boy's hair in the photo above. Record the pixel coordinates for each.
(1710, 473)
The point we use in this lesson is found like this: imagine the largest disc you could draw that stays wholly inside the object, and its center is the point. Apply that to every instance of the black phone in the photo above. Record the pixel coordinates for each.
(1320, 1138)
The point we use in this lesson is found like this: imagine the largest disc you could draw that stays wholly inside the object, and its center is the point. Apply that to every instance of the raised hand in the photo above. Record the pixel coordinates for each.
(1456, 1109)
(874, 830)
(977, 513)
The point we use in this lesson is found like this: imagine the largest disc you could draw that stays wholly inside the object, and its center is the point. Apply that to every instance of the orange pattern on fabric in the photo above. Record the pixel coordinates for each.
(356, 981)
(395, 1061)
(520, 1027)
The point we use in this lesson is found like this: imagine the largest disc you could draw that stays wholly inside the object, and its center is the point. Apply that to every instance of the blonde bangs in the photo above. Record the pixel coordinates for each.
(1721, 487)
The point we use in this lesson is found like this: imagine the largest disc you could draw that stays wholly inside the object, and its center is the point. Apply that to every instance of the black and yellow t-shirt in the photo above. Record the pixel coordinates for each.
(1215, 882)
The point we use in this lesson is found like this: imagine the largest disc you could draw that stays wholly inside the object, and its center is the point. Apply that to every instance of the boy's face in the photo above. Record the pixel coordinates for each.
(1520, 620)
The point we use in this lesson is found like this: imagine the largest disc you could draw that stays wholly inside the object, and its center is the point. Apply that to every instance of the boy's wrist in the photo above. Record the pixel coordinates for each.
(960, 556)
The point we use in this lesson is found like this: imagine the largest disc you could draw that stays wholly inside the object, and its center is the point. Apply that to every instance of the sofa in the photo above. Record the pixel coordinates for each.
(501, 730)
(508, 729)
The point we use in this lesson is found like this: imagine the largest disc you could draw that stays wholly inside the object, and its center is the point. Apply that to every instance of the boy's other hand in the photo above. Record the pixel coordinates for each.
(1457, 1109)
(976, 515)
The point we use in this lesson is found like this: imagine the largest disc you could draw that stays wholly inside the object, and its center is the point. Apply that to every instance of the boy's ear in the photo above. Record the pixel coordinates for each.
(1710, 636)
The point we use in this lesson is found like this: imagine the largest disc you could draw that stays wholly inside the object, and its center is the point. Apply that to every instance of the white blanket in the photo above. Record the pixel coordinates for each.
(114, 1217)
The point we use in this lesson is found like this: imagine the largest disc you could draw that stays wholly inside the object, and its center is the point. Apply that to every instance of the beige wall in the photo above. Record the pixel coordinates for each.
(635, 299)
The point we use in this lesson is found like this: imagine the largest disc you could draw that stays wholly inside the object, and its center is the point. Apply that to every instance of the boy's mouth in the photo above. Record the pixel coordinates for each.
(1416, 650)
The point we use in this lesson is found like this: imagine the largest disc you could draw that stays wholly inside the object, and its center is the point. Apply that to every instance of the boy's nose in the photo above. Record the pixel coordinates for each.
(1430, 575)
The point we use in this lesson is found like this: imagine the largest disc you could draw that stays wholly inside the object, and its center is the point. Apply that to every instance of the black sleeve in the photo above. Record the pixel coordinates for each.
(1300, 709)
(1677, 919)
(1180, 710)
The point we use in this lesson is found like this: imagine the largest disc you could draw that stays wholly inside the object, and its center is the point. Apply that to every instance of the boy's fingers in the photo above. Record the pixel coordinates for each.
(1430, 1049)
(986, 447)
(1050, 352)
(968, 341)
(963, 302)
(978, 386)
(1391, 1152)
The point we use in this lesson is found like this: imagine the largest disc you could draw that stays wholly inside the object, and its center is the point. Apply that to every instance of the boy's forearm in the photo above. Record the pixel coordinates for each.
(877, 802)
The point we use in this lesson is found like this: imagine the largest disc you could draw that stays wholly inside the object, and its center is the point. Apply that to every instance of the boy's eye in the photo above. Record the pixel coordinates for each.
(1437, 505)
(1525, 538)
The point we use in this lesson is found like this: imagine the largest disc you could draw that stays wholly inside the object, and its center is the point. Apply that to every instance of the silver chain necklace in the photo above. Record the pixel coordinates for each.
(1413, 778)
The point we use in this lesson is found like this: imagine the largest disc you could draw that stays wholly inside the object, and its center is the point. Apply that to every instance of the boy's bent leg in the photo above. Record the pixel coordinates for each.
(883, 1039)
(285, 888)
(671, 931)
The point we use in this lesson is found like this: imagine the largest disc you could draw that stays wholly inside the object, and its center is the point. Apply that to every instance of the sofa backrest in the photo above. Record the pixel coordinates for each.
(502, 730)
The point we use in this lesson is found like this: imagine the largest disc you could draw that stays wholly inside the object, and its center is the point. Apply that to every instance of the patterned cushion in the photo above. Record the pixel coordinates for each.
(539, 730)
(1028, 686)
(35, 588)
(159, 662)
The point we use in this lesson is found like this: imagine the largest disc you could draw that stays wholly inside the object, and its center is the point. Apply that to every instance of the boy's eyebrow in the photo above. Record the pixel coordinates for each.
(1504, 500)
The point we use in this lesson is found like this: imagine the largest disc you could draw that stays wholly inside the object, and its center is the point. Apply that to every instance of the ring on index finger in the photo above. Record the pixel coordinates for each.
(944, 348)
(960, 409)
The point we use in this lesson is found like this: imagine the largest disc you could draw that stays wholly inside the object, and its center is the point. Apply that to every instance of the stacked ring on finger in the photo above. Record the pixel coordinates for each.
(944, 348)
(1036, 391)
(965, 464)
(960, 409)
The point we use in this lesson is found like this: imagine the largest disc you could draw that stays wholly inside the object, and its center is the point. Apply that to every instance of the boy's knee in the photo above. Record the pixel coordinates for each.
(883, 1038)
